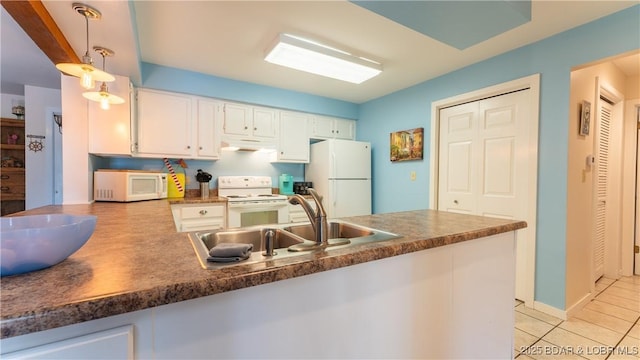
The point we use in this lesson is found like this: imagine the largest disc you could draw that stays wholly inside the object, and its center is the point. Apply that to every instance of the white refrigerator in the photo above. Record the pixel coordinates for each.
(341, 173)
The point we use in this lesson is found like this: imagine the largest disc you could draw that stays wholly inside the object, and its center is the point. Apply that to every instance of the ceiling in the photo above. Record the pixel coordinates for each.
(228, 39)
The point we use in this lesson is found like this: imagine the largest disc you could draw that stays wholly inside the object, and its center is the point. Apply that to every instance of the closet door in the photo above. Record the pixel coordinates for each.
(483, 166)
(603, 132)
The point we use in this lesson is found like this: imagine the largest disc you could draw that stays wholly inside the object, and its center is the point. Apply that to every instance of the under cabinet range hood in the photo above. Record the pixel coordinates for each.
(243, 144)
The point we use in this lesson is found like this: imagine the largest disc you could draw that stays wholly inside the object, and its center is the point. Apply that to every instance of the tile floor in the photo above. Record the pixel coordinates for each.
(607, 328)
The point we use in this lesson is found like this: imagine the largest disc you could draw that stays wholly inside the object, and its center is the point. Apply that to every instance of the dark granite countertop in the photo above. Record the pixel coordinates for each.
(136, 260)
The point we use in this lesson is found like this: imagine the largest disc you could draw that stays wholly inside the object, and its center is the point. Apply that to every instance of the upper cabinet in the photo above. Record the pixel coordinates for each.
(294, 138)
(209, 128)
(176, 125)
(324, 127)
(249, 122)
(185, 126)
(163, 124)
(110, 130)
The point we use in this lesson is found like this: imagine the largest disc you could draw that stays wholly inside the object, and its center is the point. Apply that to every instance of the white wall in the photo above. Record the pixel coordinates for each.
(76, 172)
(40, 103)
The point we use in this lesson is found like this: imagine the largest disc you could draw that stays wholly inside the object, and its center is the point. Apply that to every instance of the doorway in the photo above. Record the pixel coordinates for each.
(484, 134)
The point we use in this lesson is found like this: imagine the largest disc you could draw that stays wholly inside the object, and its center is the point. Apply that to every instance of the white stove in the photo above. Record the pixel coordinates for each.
(250, 201)
(247, 188)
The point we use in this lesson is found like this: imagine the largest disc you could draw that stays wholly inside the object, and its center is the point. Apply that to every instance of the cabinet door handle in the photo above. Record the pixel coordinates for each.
(188, 146)
(203, 212)
(200, 147)
(455, 202)
(4, 177)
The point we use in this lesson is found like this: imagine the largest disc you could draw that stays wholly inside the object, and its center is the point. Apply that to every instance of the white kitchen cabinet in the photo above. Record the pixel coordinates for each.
(108, 344)
(177, 125)
(324, 127)
(110, 130)
(297, 213)
(208, 129)
(293, 145)
(194, 217)
(249, 122)
(164, 124)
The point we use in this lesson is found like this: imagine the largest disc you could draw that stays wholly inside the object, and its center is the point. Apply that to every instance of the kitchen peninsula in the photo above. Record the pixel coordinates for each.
(445, 289)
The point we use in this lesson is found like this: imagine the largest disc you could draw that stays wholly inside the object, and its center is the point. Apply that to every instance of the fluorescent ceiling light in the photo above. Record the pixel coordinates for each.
(305, 55)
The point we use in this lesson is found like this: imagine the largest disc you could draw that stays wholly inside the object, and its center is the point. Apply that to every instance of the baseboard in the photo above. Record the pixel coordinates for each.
(550, 310)
(580, 304)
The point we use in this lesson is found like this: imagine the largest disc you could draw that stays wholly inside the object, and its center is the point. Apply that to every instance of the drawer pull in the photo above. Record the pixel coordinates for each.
(4, 177)
(203, 212)
(4, 188)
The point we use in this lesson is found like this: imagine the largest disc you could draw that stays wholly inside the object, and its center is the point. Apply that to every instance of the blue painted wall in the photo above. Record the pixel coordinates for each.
(553, 58)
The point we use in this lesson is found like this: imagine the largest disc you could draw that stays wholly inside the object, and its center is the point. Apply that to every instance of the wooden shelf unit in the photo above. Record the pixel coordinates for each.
(12, 171)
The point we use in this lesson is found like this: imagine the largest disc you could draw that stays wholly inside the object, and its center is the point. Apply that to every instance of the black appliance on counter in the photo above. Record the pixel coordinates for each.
(302, 187)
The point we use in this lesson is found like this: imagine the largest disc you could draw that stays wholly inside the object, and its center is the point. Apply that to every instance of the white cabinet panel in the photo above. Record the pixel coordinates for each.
(250, 122)
(265, 123)
(237, 119)
(193, 217)
(109, 344)
(164, 124)
(294, 138)
(208, 131)
(324, 127)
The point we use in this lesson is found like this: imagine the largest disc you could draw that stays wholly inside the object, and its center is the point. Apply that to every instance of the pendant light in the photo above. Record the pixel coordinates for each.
(103, 97)
(87, 73)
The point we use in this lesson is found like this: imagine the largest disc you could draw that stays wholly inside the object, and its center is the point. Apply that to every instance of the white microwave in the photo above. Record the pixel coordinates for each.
(128, 185)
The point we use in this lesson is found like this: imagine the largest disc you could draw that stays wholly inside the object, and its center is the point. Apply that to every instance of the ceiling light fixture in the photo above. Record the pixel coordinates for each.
(85, 71)
(103, 97)
(310, 56)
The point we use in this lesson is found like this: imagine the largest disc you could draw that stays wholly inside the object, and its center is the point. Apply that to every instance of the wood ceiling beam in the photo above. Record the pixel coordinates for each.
(36, 21)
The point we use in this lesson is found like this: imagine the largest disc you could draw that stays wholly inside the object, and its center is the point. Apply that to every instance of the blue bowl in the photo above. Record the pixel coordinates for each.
(29, 243)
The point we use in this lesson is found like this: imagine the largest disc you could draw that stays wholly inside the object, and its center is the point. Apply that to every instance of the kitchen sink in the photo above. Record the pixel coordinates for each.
(289, 240)
(204, 241)
(336, 230)
(256, 237)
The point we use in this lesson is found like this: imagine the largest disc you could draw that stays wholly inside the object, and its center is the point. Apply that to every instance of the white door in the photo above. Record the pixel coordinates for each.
(484, 163)
(601, 174)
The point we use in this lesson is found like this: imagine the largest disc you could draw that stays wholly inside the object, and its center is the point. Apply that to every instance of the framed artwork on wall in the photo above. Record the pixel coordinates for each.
(585, 117)
(407, 145)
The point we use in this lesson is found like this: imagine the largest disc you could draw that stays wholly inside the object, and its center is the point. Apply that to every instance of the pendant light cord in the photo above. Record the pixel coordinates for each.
(86, 20)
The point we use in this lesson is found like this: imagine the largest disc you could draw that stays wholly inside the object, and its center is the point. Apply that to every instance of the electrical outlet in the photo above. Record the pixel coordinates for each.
(412, 175)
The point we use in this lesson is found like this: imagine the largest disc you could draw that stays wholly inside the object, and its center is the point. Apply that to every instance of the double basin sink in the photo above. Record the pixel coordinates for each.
(283, 236)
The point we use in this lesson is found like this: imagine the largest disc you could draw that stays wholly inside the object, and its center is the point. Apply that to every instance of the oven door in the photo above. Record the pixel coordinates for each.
(242, 214)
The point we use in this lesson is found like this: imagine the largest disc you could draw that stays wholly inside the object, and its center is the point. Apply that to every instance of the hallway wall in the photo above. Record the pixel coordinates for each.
(580, 183)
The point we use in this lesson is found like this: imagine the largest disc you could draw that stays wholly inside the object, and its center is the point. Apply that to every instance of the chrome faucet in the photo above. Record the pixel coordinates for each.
(318, 218)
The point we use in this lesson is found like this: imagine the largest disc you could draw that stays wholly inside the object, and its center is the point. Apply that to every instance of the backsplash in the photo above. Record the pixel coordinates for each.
(230, 163)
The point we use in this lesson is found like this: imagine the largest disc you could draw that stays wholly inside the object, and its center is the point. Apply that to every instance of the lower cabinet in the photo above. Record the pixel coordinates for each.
(194, 217)
(417, 305)
(108, 344)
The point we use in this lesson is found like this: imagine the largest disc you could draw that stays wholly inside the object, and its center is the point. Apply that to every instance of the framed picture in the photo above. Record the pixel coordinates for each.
(585, 117)
(407, 145)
